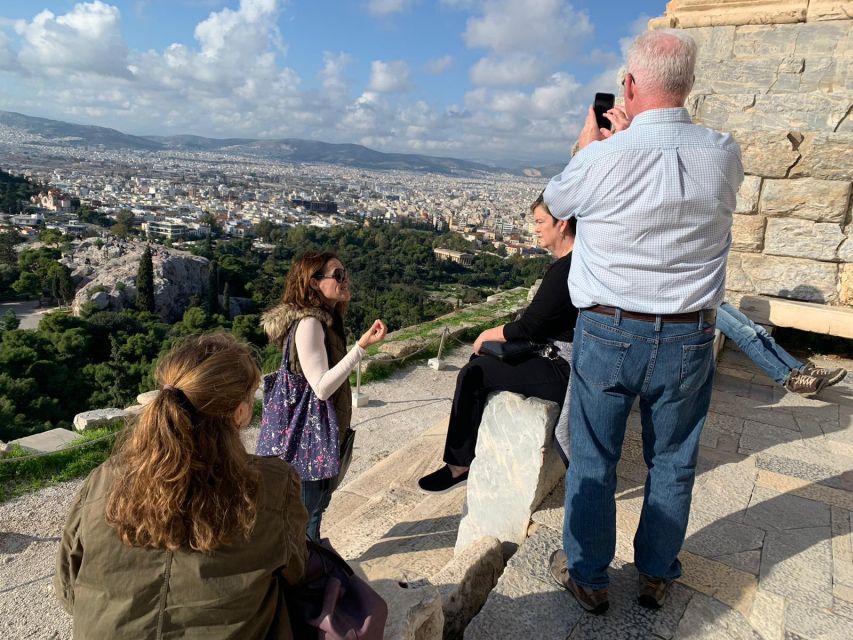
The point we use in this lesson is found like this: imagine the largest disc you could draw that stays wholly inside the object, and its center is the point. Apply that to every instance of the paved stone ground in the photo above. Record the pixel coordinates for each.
(769, 550)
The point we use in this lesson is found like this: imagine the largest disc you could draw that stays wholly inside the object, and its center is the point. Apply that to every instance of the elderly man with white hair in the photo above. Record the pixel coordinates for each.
(653, 201)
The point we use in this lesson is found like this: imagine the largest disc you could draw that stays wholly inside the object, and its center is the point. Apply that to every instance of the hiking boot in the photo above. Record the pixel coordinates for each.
(592, 600)
(651, 592)
(832, 376)
(803, 383)
(441, 481)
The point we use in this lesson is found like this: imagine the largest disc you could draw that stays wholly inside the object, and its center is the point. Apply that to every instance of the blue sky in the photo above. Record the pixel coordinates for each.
(500, 81)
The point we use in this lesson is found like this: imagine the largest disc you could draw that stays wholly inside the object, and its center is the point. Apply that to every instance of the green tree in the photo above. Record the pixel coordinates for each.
(9, 321)
(212, 287)
(8, 240)
(226, 302)
(51, 237)
(61, 285)
(145, 282)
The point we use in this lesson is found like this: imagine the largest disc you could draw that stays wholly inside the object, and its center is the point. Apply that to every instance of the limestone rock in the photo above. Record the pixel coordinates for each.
(845, 251)
(809, 198)
(402, 348)
(767, 153)
(802, 238)
(3, 449)
(829, 10)
(147, 396)
(514, 468)
(465, 583)
(701, 13)
(815, 111)
(774, 40)
(846, 294)
(135, 409)
(747, 195)
(714, 43)
(106, 274)
(825, 155)
(414, 606)
(98, 418)
(532, 293)
(46, 441)
(792, 278)
(747, 232)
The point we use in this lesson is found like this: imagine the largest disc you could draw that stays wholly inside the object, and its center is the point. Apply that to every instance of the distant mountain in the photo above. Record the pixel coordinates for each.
(547, 171)
(75, 135)
(287, 150)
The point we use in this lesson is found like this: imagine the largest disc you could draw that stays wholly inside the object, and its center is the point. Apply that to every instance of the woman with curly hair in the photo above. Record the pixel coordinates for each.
(181, 533)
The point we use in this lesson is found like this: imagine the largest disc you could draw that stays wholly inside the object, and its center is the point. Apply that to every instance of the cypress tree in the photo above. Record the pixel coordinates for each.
(213, 288)
(226, 302)
(145, 282)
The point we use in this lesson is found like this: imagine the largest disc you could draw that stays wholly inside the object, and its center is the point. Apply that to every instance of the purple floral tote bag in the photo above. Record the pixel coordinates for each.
(296, 425)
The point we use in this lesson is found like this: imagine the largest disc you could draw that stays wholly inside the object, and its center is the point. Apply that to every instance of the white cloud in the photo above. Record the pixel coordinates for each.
(382, 8)
(512, 69)
(437, 66)
(8, 58)
(553, 27)
(388, 77)
(334, 66)
(87, 39)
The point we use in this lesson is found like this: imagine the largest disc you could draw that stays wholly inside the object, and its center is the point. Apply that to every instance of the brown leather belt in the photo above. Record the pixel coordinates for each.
(710, 315)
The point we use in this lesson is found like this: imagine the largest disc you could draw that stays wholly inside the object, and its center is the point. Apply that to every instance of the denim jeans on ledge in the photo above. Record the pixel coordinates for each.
(670, 366)
(755, 343)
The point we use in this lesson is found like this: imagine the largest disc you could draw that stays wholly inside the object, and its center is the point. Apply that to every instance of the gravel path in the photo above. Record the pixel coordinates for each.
(409, 402)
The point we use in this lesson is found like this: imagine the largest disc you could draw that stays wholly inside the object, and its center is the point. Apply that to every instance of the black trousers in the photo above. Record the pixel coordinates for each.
(534, 376)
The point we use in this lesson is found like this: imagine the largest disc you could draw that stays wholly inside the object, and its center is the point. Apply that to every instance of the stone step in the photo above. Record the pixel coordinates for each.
(806, 316)
(402, 541)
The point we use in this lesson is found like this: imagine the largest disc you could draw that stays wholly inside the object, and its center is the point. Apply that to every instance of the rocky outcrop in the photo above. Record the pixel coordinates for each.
(105, 273)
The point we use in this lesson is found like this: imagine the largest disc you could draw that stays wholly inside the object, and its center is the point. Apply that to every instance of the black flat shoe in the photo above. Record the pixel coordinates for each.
(441, 481)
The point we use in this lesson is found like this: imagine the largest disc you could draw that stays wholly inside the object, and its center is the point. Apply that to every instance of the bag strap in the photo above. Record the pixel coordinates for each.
(285, 360)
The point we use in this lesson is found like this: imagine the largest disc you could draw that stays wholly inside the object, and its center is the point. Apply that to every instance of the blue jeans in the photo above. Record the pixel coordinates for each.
(754, 342)
(670, 366)
(316, 495)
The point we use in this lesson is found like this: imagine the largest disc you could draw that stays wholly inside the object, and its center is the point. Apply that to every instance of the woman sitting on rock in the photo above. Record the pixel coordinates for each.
(550, 318)
(181, 533)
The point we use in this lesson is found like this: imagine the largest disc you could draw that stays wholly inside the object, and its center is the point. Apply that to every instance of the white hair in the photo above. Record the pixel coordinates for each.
(664, 60)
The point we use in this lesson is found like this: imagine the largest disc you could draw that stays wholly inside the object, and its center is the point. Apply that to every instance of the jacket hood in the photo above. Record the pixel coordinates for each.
(278, 320)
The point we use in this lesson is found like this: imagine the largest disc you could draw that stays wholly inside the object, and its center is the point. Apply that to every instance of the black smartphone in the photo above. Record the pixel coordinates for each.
(603, 102)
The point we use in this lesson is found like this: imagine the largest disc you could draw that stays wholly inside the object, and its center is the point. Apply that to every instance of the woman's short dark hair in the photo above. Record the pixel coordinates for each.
(540, 202)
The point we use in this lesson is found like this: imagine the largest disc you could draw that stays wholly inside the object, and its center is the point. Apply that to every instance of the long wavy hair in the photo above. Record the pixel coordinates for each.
(183, 477)
(297, 288)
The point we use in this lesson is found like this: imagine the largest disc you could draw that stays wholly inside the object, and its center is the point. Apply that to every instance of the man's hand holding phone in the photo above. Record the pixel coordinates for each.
(602, 115)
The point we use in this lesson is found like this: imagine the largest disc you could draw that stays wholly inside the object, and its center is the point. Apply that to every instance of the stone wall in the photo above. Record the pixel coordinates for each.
(779, 76)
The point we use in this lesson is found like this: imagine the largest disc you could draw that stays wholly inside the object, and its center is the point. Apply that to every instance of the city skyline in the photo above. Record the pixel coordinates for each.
(494, 81)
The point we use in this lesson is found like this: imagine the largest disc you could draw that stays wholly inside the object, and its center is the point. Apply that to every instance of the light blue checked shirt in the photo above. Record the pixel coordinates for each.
(654, 208)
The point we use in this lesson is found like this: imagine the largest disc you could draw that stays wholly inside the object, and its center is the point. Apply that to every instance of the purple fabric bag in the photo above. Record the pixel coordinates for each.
(296, 425)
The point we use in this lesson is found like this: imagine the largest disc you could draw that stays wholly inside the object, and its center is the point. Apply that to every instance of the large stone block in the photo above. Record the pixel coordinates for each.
(98, 418)
(809, 198)
(783, 111)
(829, 10)
(514, 469)
(768, 153)
(736, 76)
(701, 13)
(465, 583)
(747, 195)
(845, 251)
(792, 278)
(774, 40)
(714, 43)
(846, 276)
(802, 238)
(46, 441)
(825, 155)
(747, 233)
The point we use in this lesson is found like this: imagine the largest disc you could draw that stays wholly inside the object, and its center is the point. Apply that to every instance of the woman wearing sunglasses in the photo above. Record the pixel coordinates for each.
(312, 309)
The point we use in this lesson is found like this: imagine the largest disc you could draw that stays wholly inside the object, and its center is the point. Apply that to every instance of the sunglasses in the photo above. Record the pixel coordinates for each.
(338, 274)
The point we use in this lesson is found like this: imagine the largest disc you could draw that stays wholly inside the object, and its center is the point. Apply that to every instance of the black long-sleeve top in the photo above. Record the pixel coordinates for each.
(550, 316)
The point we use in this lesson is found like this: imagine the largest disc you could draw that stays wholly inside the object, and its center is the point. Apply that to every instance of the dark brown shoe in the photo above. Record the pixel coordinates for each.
(592, 600)
(651, 592)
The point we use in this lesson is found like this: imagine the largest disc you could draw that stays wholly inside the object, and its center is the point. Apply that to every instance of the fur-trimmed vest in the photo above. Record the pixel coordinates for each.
(277, 323)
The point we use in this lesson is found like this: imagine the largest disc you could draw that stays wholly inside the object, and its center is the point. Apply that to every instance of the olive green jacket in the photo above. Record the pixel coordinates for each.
(116, 591)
